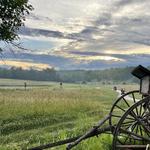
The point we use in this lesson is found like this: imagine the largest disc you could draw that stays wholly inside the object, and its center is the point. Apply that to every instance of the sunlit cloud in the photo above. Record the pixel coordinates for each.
(24, 64)
(142, 50)
(97, 58)
(87, 57)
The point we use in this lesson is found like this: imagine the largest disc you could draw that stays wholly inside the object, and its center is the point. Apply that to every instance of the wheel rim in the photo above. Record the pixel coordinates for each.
(134, 126)
(122, 104)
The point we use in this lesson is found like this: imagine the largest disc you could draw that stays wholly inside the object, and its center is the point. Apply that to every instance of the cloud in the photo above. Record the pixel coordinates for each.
(80, 60)
(24, 64)
(39, 32)
(89, 31)
(107, 23)
(32, 16)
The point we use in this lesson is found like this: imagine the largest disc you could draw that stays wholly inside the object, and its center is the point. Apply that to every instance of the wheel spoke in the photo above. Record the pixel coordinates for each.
(148, 107)
(148, 134)
(117, 116)
(142, 123)
(120, 108)
(141, 132)
(132, 128)
(140, 111)
(120, 141)
(136, 130)
(126, 102)
(121, 105)
(135, 135)
(144, 111)
(128, 123)
(134, 102)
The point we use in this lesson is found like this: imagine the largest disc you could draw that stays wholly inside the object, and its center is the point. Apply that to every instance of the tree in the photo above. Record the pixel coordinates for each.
(12, 17)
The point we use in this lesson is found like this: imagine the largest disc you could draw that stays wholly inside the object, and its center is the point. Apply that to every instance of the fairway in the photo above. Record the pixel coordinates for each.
(41, 115)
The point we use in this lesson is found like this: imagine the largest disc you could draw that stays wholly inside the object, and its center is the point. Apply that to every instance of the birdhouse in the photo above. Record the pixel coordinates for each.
(144, 75)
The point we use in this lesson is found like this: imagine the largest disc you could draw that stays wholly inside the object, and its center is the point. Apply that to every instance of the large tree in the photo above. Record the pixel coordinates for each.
(12, 17)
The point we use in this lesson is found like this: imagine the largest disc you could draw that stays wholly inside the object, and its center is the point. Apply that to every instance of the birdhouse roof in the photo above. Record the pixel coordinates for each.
(140, 72)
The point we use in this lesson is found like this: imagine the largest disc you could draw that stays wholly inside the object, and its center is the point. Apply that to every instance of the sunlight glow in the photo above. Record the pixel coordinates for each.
(24, 65)
(106, 58)
(141, 50)
(86, 58)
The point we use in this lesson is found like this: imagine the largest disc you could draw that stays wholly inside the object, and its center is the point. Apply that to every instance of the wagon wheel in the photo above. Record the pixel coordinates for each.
(134, 126)
(122, 104)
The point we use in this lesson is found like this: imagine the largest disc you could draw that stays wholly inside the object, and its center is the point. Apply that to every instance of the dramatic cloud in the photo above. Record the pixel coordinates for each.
(24, 65)
(88, 33)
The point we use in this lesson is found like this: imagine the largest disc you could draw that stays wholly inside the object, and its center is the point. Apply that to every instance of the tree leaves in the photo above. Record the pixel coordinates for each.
(12, 17)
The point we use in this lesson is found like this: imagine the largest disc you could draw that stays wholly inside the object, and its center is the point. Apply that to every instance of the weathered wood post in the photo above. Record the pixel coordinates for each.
(25, 85)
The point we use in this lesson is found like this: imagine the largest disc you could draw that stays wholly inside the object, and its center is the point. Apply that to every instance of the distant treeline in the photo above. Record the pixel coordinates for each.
(19, 73)
(82, 76)
(106, 76)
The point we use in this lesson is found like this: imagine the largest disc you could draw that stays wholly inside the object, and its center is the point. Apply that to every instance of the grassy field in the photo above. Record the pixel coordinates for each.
(41, 115)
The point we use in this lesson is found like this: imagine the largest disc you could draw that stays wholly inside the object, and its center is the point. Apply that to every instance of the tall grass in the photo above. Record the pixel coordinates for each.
(38, 116)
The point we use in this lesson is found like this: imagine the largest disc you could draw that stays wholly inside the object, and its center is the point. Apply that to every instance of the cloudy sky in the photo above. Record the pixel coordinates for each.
(84, 34)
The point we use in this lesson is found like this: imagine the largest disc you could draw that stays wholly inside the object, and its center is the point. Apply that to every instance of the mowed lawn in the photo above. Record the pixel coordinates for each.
(42, 115)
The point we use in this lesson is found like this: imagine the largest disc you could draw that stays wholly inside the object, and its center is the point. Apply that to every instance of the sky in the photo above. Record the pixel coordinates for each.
(83, 34)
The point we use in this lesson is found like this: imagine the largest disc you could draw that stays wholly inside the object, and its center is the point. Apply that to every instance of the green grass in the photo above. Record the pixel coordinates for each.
(39, 116)
(21, 82)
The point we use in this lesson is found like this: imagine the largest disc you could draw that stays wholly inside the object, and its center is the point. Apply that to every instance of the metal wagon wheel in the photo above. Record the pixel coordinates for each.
(133, 129)
(122, 104)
